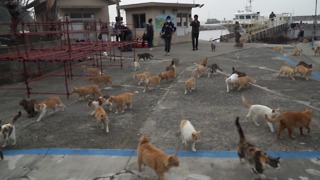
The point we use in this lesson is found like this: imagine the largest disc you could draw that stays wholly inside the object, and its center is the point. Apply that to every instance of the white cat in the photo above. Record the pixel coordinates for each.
(8, 131)
(256, 111)
(231, 80)
(136, 65)
(188, 133)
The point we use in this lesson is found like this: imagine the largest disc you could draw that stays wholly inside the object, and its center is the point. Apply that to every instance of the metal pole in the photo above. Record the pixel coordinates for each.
(314, 24)
(118, 10)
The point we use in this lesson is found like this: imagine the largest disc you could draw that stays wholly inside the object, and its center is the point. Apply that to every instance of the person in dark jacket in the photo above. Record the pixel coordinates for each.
(126, 35)
(150, 31)
(168, 29)
(237, 33)
(195, 24)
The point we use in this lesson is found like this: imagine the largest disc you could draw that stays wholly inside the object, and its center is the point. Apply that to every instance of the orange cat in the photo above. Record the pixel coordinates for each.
(152, 80)
(142, 77)
(101, 79)
(277, 49)
(244, 81)
(304, 71)
(95, 71)
(296, 52)
(155, 158)
(100, 114)
(204, 61)
(190, 84)
(87, 90)
(291, 119)
(122, 101)
(170, 74)
(200, 70)
(51, 103)
(288, 71)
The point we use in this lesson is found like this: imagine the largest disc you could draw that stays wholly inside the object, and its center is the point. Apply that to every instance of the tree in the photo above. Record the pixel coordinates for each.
(16, 8)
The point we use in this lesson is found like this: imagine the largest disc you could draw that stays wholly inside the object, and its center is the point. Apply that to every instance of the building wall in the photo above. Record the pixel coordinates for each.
(183, 34)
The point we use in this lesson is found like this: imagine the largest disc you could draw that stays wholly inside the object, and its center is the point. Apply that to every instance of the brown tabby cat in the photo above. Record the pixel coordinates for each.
(101, 79)
(256, 158)
(304, 71)
(152, 80)
(87, 90)
(155, 158)
(291, 119)
(286, 70)
(169, 74)
(142, 77)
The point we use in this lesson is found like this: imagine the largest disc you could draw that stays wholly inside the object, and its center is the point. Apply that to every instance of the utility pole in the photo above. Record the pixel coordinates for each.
(118, 18)
(314, 24)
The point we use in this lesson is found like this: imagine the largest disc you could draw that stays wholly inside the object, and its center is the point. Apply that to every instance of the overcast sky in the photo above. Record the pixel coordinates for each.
(221, 9)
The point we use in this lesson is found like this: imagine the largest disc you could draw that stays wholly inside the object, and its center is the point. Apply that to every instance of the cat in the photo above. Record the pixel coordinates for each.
(213, 69)
(244, 81)
(238, 55)
(152, 80)
(297, 52)
(258, 111)
(213, 47)
(100, 114)
(303, 71)
(256, 158)
(28, 106)
(304, 64)
(87, 90)
(145, 56)
(190, 84)
(288, 71)
(8, 131)
(170, 74)
(231, 80)
(171, 66)
(277, 49)
(200, 70)
(122, 101)
(292, 119)
(155, 158)
(204, 61)
(241, 74)
(101, 79)
(317, 51)
(95, 71)
(51, 103)
(189, 134)
(176, 61)
(142, 77)
(136, 65)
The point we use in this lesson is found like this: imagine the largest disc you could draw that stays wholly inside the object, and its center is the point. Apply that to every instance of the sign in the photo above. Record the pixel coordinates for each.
(161, 19)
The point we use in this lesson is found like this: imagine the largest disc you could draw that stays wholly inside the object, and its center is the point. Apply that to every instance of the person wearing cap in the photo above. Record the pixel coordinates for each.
(195, 24)
(168, 29)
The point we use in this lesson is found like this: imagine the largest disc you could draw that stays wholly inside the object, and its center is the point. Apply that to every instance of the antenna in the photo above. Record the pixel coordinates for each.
(249, 7)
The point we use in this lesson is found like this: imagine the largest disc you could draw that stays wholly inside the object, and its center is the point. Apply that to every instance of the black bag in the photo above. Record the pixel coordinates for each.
(144, 36)
(100, 36)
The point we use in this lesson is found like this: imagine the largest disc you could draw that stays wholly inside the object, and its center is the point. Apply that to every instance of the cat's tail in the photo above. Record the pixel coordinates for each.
(245, 102)
(143, 140)
(239, 129)
(16, 117)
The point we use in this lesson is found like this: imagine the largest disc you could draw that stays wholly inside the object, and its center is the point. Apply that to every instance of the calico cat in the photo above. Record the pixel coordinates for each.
(8, 131)
(290, 120)
(155, 158)
(190, 84)
(95, 71)
(258, 111)
(155, 80)
(297, 52)
(142, 77)
(256, 158)
(204, 61)
(189, 134)
(213, 69)
(277, 49)
(241, 74)
(51, 103)
(243, 82)
(87, 90)
(288, 71)
(303, 71)
(101, 79)
(122, 101)
(28, 106)
(100, 114)
(213, 47)
(145, 56)
(231, 80)
(136, 65)
(304, 64)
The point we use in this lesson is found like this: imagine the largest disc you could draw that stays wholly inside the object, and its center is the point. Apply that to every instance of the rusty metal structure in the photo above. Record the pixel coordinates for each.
(67, 50)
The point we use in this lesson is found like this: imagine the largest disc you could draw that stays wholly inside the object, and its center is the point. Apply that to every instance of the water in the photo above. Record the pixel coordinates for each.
(214, 34)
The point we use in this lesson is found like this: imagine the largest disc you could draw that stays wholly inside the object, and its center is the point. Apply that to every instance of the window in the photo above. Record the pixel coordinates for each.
(241, 17)
(139, 20)
(182, 19)
(248, 17)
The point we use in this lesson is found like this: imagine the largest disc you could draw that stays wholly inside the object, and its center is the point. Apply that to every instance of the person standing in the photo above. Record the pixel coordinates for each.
(195, 24)
(150, 31)
(168, 29)
(237, 33)
(272, 16)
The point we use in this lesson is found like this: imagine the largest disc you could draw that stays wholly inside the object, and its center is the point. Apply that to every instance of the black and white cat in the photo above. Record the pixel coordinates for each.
(8, 131)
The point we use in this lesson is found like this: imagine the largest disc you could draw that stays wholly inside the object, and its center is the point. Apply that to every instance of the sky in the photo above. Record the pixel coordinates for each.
(221, 9)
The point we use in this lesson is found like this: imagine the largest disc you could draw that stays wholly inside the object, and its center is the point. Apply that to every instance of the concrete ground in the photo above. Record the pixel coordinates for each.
(69, 145)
